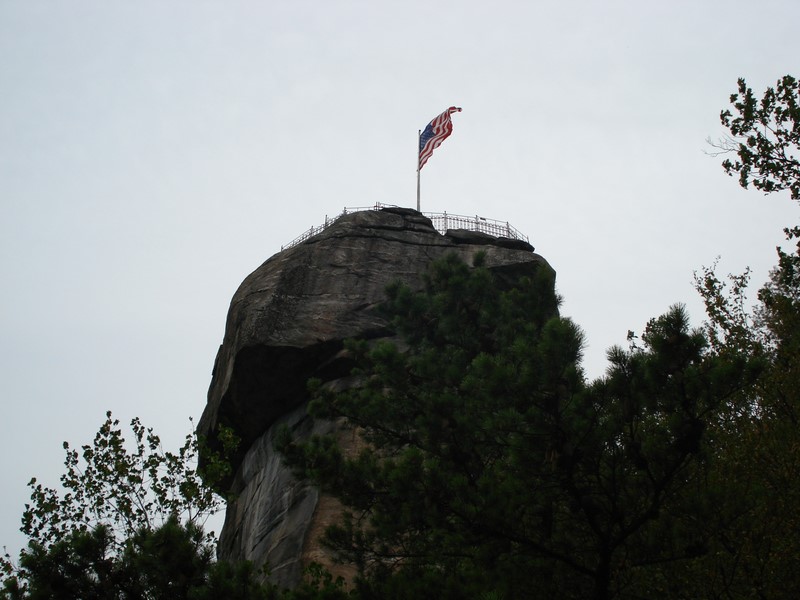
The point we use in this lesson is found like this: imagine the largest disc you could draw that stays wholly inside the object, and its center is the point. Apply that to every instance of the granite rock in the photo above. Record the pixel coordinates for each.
(287, 323)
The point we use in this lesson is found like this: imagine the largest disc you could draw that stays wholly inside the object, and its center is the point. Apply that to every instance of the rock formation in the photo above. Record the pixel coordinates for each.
(287, 323)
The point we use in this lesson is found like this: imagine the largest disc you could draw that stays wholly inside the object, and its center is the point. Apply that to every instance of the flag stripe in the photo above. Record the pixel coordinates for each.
(434, 134)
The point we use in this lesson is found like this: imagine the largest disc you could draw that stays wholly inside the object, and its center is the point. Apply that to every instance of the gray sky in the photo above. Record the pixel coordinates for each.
(153, 153)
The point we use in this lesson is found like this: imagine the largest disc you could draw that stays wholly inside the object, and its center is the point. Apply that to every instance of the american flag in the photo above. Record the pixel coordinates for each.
(435, 133)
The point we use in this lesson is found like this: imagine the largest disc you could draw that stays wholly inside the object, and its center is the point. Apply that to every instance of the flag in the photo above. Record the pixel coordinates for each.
(435, 133)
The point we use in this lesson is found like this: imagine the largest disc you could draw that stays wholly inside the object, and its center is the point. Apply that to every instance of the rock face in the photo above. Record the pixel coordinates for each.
(287, 323)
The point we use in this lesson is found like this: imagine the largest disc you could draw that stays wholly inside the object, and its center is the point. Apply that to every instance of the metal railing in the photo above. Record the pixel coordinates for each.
(441, 222)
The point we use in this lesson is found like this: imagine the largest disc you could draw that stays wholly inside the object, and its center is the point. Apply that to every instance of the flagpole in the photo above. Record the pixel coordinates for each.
(419, 138)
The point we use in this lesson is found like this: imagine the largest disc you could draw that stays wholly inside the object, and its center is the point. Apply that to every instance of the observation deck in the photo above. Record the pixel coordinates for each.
(441, 222)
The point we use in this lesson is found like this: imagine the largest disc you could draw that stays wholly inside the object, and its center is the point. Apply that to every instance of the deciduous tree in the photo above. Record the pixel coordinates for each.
(126, 523)
(765, 136)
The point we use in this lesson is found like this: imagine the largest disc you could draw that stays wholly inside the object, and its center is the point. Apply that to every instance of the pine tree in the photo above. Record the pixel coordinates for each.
(490, 468)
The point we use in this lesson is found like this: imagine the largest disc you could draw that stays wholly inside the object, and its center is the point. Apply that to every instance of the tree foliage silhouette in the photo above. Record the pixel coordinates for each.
(488, 465)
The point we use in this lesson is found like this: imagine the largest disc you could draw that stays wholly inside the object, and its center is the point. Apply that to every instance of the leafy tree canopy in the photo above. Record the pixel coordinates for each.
(127, 524)
(123, 490)
(758, 458)
(765, 136)
(755, 555)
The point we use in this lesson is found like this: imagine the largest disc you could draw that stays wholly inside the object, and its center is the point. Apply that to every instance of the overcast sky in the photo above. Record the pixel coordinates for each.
(153, 153)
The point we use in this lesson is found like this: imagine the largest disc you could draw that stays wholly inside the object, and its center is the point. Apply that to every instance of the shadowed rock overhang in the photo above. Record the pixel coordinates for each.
(289, 318)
